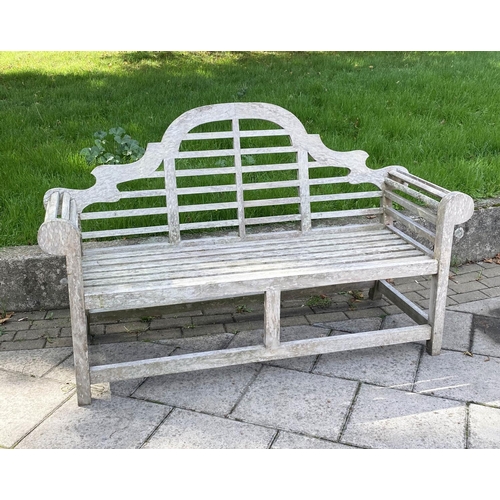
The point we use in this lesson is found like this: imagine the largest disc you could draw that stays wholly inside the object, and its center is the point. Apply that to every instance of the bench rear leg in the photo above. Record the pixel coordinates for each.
(272, 303)
(375, 292)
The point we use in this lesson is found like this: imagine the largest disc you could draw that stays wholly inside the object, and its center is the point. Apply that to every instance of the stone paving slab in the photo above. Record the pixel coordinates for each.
(112, 353)
(462, 377)
(35, 362)
(389, 366)
(297, 402)
(214, 391)
(486, 336)
(289, 440)
(485, 307)
(484, 425)
(25, 402)
(288, 334)
(185, 429)
(390, 418)
(114, 423)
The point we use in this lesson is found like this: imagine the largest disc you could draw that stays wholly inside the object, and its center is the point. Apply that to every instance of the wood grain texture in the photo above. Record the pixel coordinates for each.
(177, 270)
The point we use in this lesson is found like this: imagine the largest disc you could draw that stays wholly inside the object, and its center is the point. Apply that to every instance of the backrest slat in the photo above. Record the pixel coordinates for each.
(230, 166)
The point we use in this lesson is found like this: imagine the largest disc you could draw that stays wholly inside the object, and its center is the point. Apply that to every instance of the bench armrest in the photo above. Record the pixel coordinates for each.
(60, 234)
(439, 208)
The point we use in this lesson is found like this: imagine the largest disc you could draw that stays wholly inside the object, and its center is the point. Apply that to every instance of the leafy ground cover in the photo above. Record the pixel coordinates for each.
(435, 113)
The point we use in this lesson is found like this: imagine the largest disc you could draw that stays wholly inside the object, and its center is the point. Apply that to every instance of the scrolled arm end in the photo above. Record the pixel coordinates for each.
(60, 233)
(459, 207)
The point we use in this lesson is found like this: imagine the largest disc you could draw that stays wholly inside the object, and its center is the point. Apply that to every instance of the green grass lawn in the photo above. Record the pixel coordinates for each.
(435, 113)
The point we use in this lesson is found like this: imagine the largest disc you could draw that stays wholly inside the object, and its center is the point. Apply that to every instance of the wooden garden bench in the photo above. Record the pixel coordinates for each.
(262, 207)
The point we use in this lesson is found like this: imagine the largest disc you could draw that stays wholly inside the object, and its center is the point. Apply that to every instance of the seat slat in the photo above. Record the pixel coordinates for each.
(155, 252)
(319, 262)
(203, 288)
(182, 259)
(234, 260)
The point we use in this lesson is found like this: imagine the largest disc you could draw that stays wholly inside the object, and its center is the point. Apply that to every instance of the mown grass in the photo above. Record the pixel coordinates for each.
(435, 113)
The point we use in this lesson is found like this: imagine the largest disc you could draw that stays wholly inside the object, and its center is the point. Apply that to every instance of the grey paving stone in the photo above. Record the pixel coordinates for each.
(323, 317)
(26, 401)
(375, 312)
(15, 326)
(390, 418)
(22, 344)
(200, 330)
(486, 336)
(185, 429)
(467, 277)
(29, 315)
(410, 286)
(470, 286)
(390, 366)
(303, 363)
(57, 313)
(133, 327)
(457, 328)
(114, 423)
(6, 337)
(397, 321)
(294, 321)
(457, 331)
(289, 440)
(297, 402)
(37, 334)
(113, 353)
(485, 307)
(58, 342)
(491, 292)
(469, 297)
(213, 319)
(490, 272)
(484, 425)
(198, 344)
(35, 362)
(458, 376)
(213, 391)
(51, 323)
(170, 333)
(467, 269)
(491, 282)
(353, 325)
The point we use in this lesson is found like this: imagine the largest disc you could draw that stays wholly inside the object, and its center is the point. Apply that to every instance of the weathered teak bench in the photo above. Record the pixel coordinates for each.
(221, 167)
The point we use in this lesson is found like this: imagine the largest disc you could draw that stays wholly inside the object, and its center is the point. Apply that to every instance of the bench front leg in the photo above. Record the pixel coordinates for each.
(454, 208)
(79, 330)
(272, 303)
(60, 235)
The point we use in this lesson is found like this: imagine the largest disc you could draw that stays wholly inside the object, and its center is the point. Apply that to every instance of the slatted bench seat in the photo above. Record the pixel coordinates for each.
(254, 168)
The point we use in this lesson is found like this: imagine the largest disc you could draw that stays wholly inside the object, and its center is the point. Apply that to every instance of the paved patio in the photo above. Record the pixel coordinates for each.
(386, 397)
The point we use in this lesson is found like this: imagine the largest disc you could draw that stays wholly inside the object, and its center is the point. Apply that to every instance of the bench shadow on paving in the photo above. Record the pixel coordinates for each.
(384, 397)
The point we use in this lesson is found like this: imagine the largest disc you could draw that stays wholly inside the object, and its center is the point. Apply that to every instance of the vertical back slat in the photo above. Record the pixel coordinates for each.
(239, 177)
(174, 233)
(304, 195)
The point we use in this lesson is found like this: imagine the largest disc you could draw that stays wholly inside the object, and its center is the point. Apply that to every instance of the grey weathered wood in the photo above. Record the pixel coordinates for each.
(175, 270)
(242, 355)
(272, 304)
(406, 305)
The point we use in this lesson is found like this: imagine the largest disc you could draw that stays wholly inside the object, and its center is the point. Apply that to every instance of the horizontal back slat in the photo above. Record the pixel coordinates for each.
(124, 232)
(236, 170)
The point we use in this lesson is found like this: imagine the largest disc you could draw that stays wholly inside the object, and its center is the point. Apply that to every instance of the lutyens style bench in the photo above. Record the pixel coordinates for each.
(243, 201)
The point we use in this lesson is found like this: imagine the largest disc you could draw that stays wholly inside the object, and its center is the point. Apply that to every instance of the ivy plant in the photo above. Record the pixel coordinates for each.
(112, 147)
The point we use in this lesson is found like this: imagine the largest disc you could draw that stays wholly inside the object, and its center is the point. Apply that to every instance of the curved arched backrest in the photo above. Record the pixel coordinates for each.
(232, 166)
